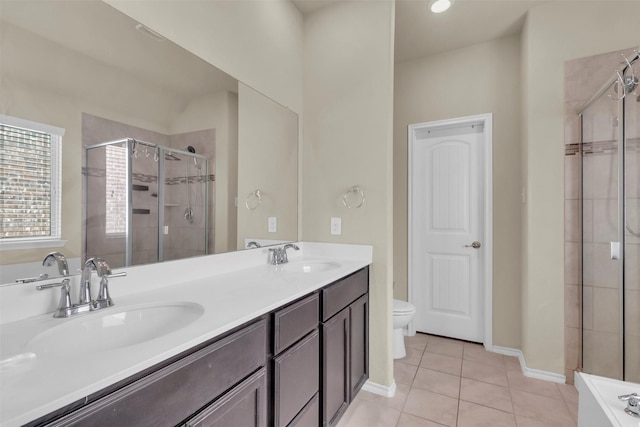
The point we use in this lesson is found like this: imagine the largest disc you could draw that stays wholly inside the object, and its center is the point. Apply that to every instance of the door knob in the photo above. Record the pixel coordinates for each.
(474, 245)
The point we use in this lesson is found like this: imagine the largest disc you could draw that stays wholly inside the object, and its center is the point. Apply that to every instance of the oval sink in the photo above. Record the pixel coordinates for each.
(310, 266)
(112, 329)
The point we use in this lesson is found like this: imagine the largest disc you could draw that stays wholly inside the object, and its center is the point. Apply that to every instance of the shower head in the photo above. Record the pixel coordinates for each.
(192, 149)
(628, 83)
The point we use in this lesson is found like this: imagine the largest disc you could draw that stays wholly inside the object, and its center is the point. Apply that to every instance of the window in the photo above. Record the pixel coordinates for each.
(116, 187)
(30, 155)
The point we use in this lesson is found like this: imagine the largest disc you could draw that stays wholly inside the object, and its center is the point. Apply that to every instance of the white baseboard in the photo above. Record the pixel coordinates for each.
(529, 372)
(382, 390)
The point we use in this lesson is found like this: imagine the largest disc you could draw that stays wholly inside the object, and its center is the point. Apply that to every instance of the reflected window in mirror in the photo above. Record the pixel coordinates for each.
(30, 184)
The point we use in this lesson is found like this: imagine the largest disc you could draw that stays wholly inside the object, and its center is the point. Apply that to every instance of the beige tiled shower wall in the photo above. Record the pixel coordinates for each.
(590, 226)
(184, 239)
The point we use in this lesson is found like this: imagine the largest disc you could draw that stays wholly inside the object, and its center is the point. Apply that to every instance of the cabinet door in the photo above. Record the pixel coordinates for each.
(174, 393)
(335, 368)
(359, 340)
(244, 406)
(296, 378)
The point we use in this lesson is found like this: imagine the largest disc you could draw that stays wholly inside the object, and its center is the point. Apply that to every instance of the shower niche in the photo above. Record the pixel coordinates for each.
(144, 202)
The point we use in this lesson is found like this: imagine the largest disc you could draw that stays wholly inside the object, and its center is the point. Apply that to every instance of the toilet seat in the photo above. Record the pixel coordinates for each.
(403, 307)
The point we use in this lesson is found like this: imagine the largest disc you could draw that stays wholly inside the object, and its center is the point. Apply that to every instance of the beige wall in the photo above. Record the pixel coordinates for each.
(219, 111)
(479, 79)
(555, 33)
(348, 88)
(256, 42)
(267, 161)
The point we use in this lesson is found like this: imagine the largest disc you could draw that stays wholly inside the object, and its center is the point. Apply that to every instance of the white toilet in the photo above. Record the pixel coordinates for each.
(403, 312)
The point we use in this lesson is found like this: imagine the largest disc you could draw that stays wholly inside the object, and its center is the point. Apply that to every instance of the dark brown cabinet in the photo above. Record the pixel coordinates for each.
(345, 343)
(299, 366)
(172, 394)
(244, 405)
(296, 362)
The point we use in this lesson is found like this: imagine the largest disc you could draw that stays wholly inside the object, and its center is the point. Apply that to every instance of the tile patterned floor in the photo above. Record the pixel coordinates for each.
(445, 382)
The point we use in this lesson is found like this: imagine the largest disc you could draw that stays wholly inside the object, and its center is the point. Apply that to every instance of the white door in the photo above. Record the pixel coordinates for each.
(446, 230)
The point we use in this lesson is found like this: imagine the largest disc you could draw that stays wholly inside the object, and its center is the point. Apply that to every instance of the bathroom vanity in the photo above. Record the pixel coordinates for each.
(295, 354)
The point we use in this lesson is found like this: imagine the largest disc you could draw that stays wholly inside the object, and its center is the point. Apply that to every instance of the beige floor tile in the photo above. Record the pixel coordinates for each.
(529, 422)
(432, 406)
(413, 357)
(517, 381)
(491, 395)
(363, 413)
(485, 373)
(438, 382)
(445, 346)
(396, 402)
(477, 353)
(512, 363)
(472, 415)
(408, 420)
(404, 373)
(442, 363)
(545, 409)
(418, 341)
(570, 396)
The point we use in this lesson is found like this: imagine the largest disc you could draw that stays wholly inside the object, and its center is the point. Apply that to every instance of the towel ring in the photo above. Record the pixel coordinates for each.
(253, 200)
(354, 197)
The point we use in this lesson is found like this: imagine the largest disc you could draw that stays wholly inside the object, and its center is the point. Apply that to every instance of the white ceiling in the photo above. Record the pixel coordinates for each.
(420, 33)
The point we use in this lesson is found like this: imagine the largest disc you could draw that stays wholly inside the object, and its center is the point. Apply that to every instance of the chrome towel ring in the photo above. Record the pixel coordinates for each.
(354, 197)
(253, 200)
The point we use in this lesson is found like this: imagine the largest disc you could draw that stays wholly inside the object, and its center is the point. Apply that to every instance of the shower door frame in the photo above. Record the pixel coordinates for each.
(621, 200)
(128, 143)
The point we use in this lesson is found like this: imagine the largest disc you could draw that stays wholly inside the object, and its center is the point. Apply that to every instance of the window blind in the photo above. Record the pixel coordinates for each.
(26, 178)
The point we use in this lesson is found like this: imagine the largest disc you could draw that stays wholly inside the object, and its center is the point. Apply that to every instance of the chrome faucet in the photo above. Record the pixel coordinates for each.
(278, 255)
(59, 259)
(633, 404)
(101, 267)
(85, 303)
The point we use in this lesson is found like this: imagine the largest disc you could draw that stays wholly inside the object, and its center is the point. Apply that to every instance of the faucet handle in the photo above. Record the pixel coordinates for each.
(274, 257)
(64, 305)
(104, 299)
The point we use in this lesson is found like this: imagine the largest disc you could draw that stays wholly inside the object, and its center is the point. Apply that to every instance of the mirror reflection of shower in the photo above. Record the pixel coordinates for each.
(188, 212)
(134, 195)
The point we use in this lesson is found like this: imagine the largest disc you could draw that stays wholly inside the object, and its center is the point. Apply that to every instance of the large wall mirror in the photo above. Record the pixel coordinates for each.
(164, 156)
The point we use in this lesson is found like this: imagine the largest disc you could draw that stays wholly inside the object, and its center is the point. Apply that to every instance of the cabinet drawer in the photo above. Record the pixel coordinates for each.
(337, 296)
(295, 321)
(296, 378)
(172, 394)
(244, 405)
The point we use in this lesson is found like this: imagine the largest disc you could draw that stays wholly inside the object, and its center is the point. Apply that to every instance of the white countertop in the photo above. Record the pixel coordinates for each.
(230, 296)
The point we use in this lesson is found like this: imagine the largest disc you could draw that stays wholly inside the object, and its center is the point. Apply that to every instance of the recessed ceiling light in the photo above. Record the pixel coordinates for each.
(439, 6)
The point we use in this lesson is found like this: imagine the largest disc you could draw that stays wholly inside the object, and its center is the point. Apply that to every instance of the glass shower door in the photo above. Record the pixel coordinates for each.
(602, 279)
(184, 226)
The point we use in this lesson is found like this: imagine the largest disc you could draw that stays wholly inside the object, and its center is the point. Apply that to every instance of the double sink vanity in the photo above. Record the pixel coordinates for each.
(222, 340)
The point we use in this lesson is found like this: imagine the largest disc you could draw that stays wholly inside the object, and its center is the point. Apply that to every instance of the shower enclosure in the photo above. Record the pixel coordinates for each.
(610, 150)
(144, 203)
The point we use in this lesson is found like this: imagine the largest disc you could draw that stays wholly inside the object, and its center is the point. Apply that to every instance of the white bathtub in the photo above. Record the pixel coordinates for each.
(599, 405)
